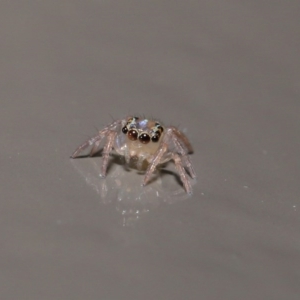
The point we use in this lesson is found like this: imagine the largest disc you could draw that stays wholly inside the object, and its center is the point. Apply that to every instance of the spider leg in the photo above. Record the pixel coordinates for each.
(184, 156)
(106, 151)
(95, 139)
(183, 176)
(181, 159)
(183, 140)
(189, 166)
(95, 148)
(157, 157)
(155, 161)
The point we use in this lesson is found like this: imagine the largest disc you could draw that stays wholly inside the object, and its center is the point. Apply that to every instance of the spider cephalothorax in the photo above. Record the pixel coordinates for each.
(145, 140)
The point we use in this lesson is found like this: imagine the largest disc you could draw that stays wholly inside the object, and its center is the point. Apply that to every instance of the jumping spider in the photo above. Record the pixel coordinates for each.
(146, 141)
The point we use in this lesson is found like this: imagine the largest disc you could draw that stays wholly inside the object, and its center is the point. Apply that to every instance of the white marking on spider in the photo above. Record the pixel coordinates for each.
(146, 141)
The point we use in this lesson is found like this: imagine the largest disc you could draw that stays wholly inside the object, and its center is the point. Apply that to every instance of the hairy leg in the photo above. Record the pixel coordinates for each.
(95, 148)
(106, 151)
(182, 139)
(181, 171)
(96, 140)
(184, 156)
(158, 156)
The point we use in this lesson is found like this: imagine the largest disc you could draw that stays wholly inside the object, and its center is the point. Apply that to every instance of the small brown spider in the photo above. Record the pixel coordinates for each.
(146, 141)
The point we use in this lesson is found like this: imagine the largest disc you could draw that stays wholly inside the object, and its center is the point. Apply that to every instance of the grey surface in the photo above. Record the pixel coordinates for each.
(227, 72)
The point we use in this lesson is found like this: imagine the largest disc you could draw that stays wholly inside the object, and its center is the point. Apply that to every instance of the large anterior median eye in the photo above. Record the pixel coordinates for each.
(133, 135)
(144, 138)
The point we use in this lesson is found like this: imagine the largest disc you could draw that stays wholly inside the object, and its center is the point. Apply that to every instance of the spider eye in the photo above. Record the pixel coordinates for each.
(155, 138)
(159, 127)
(133, 135)
(124, 129)
(144, 138)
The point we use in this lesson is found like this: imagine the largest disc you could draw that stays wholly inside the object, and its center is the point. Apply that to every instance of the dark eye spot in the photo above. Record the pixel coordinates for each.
(155, 138)
(124, 129)
(133, 135)
(160, 128)
(144, 138)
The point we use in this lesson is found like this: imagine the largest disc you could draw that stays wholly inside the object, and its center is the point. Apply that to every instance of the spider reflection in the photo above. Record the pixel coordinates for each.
(119, 188)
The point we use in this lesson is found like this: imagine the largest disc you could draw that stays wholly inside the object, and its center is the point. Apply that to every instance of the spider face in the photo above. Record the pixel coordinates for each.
(147, 141)
(145, 131)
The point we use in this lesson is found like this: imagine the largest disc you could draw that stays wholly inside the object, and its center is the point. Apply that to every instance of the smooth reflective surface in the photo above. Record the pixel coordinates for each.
(226, 73)
(122, 187)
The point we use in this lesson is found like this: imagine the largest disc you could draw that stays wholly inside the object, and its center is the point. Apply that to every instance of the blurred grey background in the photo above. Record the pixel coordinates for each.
(226, 73)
